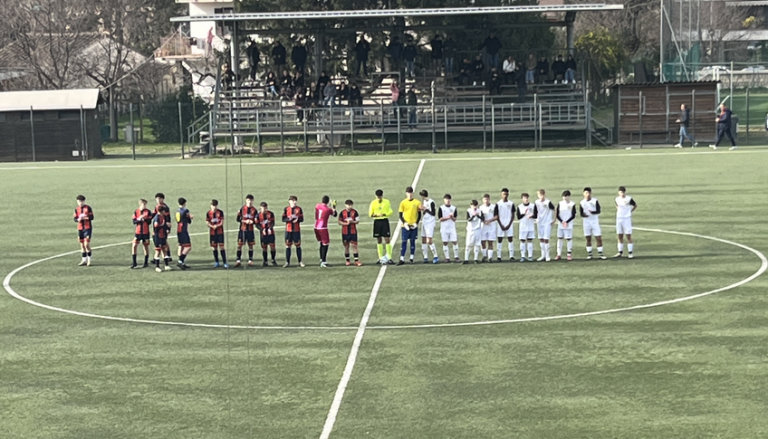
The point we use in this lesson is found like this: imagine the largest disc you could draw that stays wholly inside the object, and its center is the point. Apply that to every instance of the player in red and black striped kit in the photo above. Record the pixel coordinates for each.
(142, 218)
(247, 218)
(265, 222)
(160, 199)
(293, 216)
(183, 219)
(84, 219)
(349, 219)
(160, 238)
(215, 221)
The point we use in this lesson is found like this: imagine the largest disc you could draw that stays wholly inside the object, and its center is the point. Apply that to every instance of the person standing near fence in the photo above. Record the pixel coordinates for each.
(724, 127)
(684, 121)
(412, 102)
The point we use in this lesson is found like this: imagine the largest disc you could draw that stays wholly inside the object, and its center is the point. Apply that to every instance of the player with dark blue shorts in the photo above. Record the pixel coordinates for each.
(214, 218)
(247, 219)
(293, 216)
(84, 219)
(183, 220)
(160, 238)
(349, 219)
(265, 222)
(142, 218)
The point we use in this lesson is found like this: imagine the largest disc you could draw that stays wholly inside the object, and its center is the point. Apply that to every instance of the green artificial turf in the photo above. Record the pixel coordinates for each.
(684, 370)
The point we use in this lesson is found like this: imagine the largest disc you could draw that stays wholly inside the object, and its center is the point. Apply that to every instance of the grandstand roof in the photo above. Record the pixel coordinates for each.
(49, 100)
(383, 13)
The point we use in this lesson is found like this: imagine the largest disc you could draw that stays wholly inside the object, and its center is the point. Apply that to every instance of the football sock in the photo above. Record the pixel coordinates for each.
(287, 255)
(559, 247)
(89, 254)
(223, 255)
(182, 258)
(522, 249)
(413, 248)
(466, 254)
(569, 246)
(424, 250)
(621, 247)
(447, 252)
(157, 262)
(600, 250)
(356, 256)
(264, 255)
(84, 255)
(134, 259)
(456, 250)
(298, 254)
(146, 259)
(434, 249)
(346, 256)
(389, 251)
(216, 255)
(589, 249)
(250, 254)
(403, 246)
(167, 260)
(324, 252)
(541, 247)
(485, 253)
(630, 246)
(498, 251)
(273, 253)
(530, 249)
(511, 246)
(380, 250)
(477, 251)
(239, 254)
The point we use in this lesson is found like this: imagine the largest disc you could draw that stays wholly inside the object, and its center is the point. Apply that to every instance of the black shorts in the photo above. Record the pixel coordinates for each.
(183, 238)
(349, 237)
(267, 240)
(84, 235)
(246, 236)
(159, 242)
(141, 237)
(217, 240)
(381, 228)
(293, 237)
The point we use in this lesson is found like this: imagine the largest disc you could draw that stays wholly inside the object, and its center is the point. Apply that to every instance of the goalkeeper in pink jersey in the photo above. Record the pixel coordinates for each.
(323, 212)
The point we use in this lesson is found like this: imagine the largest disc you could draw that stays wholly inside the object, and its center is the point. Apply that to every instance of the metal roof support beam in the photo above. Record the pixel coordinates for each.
(344, 30)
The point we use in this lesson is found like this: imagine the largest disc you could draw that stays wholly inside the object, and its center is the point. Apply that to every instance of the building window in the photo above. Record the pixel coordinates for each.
(39, 116)
(69, 115)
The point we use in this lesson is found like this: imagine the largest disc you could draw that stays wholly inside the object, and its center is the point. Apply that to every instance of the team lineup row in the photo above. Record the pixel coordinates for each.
(487, 223)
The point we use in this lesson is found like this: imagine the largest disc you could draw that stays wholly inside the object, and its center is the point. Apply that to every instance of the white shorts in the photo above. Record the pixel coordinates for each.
(509, 233)
(527, 235)
(473, 238)
(488, 232)
(428, 229)
(564, 233)
(448, 235)
(545, 230)
(592, 228)
(623, 226)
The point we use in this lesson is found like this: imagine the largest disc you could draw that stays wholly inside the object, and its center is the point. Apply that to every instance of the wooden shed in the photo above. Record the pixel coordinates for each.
(49, 125)
(646, 113)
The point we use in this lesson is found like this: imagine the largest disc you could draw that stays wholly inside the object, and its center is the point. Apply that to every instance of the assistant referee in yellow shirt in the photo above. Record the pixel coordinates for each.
(380, 210)
(410, 215)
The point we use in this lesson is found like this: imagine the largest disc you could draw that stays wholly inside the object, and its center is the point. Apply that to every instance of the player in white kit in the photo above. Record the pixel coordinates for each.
(474, 224)
(543, 210)
(488, 230)
(504, 226)
(589, 208)
(625, 205)
(447, 215)
(565, 212)
(428, 227)
(525, 224)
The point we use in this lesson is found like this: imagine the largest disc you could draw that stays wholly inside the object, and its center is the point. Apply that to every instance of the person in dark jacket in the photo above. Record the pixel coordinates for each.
(254, 57)
(492, 46)
(361, 51)
(299, 56)
(298, 81)
(449, 53)
(343, 93)
(437, 53)
(409, 55)
(301, 104)
(478, 67)
(278, 56)
(272, 85)
(412, 101)
(542, 69)
(570, 69)
(395, 49)
(724, 127)
(559, 68)
(322, 81)
(521, 80)
(355, 96)
(684, 120)
(465, 72)
(286, 85)
(494, 82)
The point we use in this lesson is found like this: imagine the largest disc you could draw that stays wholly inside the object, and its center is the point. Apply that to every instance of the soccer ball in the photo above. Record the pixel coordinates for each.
(384, 260)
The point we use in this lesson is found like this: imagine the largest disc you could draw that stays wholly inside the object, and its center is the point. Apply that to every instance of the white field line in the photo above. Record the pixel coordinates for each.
(330, 420)
(586, 155)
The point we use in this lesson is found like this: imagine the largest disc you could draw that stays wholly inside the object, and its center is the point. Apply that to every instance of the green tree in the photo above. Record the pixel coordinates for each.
(165, 114)
(604, 58)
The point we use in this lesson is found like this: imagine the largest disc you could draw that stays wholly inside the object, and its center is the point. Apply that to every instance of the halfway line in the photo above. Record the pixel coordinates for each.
(347, 374)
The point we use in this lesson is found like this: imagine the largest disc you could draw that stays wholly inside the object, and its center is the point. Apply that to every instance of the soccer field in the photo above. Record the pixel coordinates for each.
(670, 344)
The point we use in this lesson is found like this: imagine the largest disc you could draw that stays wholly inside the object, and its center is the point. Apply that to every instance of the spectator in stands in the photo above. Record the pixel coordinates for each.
(509, 70)
(465, 72)
(558, 69)
(394, 90)
(412, 101)
(530, 69)
(570, 69)
(254, 57)
(409, 55)
(313, 94)
(478, 67)
(395, 49)
(227, 77)
(272, 87)
(278, 55)
(492, 46)
(301, 103)
(355, 96)
(494, 82)
(299, 56)
(322, 81)
(329, 94)
(521, 78)
(437, 53)
(361, 51)
(449, 53)
(542, 69)
(343, 93)
(286, 85)
(298, 81)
